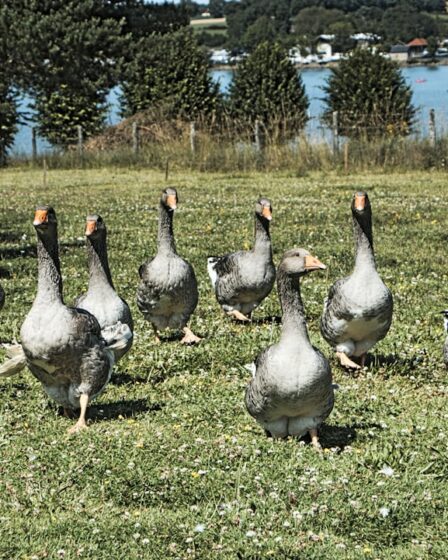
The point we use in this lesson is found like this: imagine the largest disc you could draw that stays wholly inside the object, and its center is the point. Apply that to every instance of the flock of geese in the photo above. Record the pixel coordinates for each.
(72, 350)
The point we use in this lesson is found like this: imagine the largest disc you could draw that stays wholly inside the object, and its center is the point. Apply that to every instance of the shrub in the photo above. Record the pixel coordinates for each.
(370, 95)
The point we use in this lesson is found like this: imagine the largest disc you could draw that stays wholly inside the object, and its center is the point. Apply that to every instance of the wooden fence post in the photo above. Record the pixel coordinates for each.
(80, 143)
(34, 143)
(257, 136)
(192, 137)
(135, 138)
(346, 156)
(432, 127)
(335, 129)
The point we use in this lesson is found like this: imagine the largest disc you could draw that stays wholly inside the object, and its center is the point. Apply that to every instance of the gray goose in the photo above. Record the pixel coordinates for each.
(63, 345)
(291, 392)
(101, 299)
(243, 279)
(168, 291)
(358, 310)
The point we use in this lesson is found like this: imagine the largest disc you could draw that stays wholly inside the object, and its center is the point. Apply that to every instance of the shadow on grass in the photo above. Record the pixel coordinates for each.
(337, 436)
(125, 409)
(4, 273)
(31, 250)
(123, 378)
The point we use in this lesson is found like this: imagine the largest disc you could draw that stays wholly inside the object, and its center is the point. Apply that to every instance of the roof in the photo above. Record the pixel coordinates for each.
(418, 43)
(396, 49)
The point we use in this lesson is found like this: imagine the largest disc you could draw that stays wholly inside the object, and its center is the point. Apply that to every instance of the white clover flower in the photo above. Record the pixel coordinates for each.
(384, 511)
(250, 534)
(200, 528)
(387, 471)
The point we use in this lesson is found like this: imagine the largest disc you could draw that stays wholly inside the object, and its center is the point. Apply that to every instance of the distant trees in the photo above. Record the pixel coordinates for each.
(268, 88)
(370, 95)
(169, 72)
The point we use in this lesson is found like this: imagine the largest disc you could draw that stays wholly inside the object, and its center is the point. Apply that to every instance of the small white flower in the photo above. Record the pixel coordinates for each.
(61, 552)
(145, 541)
(384, 511)
(250, 534)
(200, 528)
(286, 524)
(387, 471)
(189, 539)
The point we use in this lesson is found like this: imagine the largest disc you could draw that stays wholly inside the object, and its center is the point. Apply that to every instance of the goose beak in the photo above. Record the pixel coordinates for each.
(311, 263)
(90, 227)
(171, 201)
(266, 213)
(360, 201)
(40, 218)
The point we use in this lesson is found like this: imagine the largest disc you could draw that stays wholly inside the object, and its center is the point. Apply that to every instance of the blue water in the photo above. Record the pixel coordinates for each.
(429, 85)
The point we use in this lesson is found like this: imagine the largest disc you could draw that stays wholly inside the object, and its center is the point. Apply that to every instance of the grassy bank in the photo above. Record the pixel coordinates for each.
(172, 465)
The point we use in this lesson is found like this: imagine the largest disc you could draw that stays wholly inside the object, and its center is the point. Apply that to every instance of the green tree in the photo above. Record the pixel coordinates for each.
(370, 95)
(170, 72)
(8, 97)
(67, 56)
(261, 31)
(268, 88)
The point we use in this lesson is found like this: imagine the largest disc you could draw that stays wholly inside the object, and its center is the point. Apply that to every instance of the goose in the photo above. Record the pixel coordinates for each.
(243, 279)
(291, 392)
(445, 346)
(358, 310)
(101, 299)
(63, 345)
(168, 290)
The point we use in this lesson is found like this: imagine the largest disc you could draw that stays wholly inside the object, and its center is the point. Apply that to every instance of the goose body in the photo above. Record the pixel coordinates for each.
(168, 293)
(243, 279)
(358, 310)
(101, 299)
(63, 346)
(291, 392)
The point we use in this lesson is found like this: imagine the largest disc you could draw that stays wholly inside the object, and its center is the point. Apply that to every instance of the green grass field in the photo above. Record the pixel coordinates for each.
(172, 465)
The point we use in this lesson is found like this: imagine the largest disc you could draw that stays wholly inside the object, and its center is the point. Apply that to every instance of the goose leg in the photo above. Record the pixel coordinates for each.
(81, 423)
(363, 359)
(238, 315)
(189, 337)
(346, 362)
(315, 439)
(156, 334)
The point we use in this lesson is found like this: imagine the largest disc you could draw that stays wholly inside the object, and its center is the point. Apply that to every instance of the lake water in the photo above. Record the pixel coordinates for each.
(429, 85)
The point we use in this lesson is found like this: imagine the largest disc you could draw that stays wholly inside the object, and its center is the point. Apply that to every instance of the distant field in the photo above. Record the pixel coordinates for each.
(205, 22)
(172, 466)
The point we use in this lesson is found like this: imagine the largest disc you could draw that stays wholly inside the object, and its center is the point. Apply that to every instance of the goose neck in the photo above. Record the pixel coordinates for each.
(49, 283)
(364, 255)
(165, 239)
(99, 271)
(293, 314)
(262, 242)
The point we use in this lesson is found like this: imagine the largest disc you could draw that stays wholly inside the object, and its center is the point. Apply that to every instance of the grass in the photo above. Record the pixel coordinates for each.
(172, 465)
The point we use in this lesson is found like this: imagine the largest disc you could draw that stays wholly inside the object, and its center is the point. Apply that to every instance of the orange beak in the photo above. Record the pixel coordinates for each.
(40, 217)
(360, 201)
(311, 263)
(171, 201)
(90, 227)
(266, 213)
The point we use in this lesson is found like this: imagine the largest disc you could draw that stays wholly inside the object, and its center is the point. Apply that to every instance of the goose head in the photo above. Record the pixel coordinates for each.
(361, 205)
(45, 220)
(263, 209)
(169, 199)
(95, 227)
(298, 262)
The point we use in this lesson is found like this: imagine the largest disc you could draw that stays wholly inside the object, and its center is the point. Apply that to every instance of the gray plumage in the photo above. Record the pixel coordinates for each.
(358, 310)
(291, 392)
(168, 291)
(63, 345)
(243, 279)
(101, 299)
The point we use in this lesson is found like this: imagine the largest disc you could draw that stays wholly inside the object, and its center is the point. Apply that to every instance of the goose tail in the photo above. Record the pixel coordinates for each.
(16, 361)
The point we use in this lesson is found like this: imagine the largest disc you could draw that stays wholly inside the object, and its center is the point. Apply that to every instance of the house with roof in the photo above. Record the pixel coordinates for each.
(399, 53)
(417, 48)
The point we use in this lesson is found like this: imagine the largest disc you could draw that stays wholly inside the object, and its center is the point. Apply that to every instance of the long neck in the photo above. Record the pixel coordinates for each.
(293, 319)
(364, 255)
(49, 283)
(99, 271)
(165, 239)
(262, 243)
